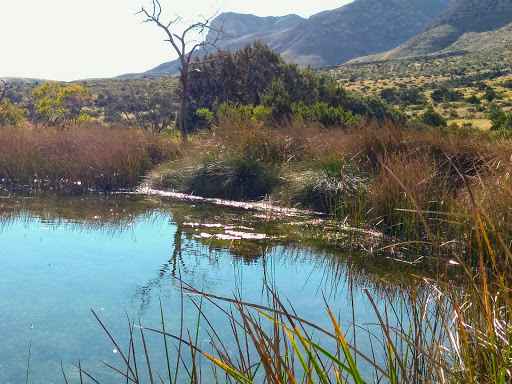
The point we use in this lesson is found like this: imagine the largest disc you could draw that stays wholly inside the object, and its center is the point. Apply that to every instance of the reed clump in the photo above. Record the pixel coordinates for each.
(79, 158)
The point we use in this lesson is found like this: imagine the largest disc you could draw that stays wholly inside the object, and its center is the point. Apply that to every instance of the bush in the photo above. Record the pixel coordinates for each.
(490, 94)
(322, 114)
(446, 95)
(473, 100)
(500, 120)
(431, 117)
(277, 98)
(234, 112)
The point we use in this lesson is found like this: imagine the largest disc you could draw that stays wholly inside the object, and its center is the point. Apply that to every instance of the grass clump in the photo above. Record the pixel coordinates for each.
(234, 179)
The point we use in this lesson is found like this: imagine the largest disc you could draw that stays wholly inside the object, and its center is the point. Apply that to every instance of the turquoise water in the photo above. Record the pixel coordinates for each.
(118, 255)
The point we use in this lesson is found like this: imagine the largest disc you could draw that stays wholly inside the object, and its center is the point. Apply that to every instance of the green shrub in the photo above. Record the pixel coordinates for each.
(431, 117)
(323, 114)
(277, 98)
(473, 99)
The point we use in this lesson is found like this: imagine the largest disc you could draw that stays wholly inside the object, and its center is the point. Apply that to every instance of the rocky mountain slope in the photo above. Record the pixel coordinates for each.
(360, 28)
(464, 20)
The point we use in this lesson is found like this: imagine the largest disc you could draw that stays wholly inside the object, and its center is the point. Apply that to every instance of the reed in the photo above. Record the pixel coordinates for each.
(78, 159)
(429, 331)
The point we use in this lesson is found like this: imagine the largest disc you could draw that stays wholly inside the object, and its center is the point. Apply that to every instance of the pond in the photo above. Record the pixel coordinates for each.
(121, 254)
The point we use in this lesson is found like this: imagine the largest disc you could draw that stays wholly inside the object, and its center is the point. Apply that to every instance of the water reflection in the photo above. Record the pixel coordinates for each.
(63, 255)
(245, 234)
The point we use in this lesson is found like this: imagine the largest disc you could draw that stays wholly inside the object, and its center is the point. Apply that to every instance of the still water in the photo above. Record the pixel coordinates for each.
(62, 256)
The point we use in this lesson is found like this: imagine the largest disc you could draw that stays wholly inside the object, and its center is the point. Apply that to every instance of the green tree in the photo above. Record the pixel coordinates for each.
(10, 114)
(277, 98)
(55, 102)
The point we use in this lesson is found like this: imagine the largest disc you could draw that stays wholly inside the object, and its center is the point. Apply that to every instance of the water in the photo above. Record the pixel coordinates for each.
(62, 256)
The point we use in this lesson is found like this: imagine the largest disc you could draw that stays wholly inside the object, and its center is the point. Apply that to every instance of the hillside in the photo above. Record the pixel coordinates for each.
(332, 37)
(463, 21)
(359, 28)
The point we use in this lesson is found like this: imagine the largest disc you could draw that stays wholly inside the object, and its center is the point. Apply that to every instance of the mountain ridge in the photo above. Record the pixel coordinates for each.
(329, 37)
(462, 18)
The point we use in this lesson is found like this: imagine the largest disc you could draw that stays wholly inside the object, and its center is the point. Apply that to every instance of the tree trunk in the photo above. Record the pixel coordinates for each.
(184, 96)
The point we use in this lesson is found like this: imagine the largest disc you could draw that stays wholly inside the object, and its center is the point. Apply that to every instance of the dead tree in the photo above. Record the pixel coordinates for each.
(3, 89)
(186, 48)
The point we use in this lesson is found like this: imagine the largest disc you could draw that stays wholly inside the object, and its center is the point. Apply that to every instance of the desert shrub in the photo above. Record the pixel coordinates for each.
(324, 115)
(473, 99)
(389, 94)
(431, 117)
(411, 96)
(490, 94)
(446, 95)
(500, 120)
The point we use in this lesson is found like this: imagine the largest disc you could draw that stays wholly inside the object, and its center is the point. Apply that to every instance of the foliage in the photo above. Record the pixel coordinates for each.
(432, 118)
(230, 111)
(246, 74)
(323, 114)
(501, 120)
(256, 75)
(473, 99)
(11, 115)
(446, 95)
(55, 102)
(490, 94)
(277, 98)
(406, 96)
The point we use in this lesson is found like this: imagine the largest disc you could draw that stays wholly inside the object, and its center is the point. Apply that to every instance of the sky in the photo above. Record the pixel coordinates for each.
(80, 39)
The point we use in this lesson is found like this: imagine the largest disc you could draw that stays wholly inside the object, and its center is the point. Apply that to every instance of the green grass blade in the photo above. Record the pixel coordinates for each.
(165, 341)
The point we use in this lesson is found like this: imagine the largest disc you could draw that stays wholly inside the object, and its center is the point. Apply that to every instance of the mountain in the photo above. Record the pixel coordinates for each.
(22, 80)
(360, 28)
(465, 19)
(239, 30)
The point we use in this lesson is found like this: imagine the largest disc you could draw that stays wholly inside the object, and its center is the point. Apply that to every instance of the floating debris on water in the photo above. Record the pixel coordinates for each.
(259, 206)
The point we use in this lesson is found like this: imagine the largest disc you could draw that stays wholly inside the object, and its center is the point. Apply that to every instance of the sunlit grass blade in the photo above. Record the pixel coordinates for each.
(354, 372)
(165, 341)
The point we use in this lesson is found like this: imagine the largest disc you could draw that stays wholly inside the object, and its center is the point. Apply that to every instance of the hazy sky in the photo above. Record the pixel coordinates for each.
(77, 39)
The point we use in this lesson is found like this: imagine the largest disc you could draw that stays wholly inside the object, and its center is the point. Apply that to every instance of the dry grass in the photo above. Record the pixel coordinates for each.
(79, 158)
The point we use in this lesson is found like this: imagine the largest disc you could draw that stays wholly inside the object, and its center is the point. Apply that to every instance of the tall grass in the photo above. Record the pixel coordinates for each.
(429, 331)
(376, 173)
(80, 158)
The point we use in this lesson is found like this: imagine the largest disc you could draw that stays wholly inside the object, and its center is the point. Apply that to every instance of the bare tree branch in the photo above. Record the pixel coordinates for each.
(185, 55)
(3, 89)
